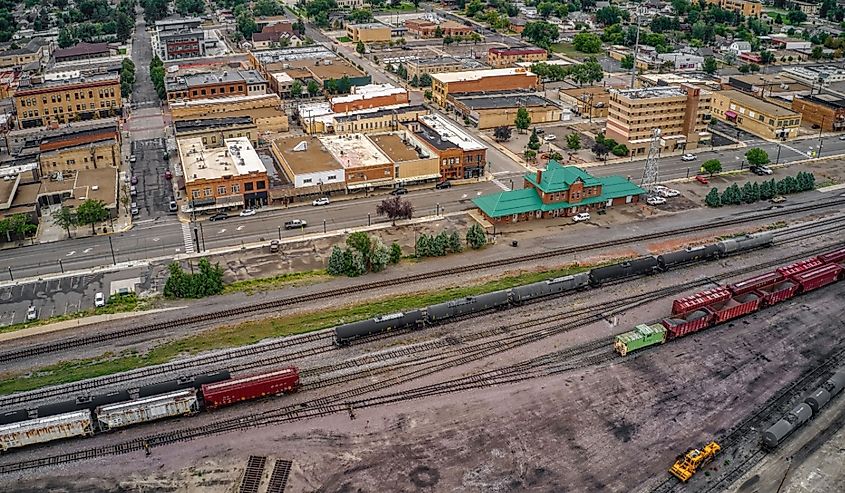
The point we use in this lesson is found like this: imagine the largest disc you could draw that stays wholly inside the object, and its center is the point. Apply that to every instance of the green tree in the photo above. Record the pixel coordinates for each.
(767, 57)
(766, 191)
(611, 15)
(123, 26)
(533, 141)
(796, 17)
(713, 199)
(455, 243)
(425, 80)
(66, 39)
(815, 54)
(530, 155)
(267, 8)
(600, 149)
(395, 208)
(757, 157)
(587, 42)
(335, 266)
(360, 48)
(755, 192)
(187, 7)
(523, 120)
(476, 237)
(541, 33)
(620, 150)
(712, 166)
(627, 62)
(92, 212)
(64, 217)
(710, 65)
(395, 253)
(748, 193)
(380, 256)
(246, 25)
(362, 243)
(313, 88)
(573, 141)
(415, 82)
(296, 89)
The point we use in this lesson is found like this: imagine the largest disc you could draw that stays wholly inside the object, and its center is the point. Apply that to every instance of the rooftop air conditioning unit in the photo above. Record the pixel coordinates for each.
(95, 188)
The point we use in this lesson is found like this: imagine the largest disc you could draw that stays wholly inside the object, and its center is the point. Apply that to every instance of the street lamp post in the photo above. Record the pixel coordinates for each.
(111, 247)
(821, 129)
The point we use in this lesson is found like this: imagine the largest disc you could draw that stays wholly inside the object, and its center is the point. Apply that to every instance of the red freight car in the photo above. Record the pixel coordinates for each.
(735, 307)
(755, 283)
(778, 292)
(819, 277)
(800, 266)
(681, 325)
(250, 387)
(836, 256)
(698, 300)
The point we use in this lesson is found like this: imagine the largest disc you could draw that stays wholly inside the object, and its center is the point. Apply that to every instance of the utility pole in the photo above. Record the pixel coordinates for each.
(821, 129)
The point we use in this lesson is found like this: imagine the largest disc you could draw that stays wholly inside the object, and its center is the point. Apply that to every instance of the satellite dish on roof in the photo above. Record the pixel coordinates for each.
(302, 146)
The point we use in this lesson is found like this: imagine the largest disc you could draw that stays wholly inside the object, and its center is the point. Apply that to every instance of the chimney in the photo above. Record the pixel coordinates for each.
(539, 175)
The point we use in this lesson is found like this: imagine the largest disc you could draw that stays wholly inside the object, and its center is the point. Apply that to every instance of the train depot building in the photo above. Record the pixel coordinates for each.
(557, 191)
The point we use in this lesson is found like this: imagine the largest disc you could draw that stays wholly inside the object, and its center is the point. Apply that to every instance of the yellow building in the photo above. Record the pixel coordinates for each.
(264, 109)
(476, 81)
(382, 120)
(755, 116)
(745, 7)
(681, 113)
(369, 33)
(214, 131)
(62, 101)
(92, 149)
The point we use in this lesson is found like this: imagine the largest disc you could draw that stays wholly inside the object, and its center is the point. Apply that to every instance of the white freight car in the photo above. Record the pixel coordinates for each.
(183, 402)
(46, 429)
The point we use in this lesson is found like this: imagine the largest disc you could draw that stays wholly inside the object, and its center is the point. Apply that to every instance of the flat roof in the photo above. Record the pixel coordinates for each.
(354, 151)
(220, 77)
(520, 50)
(470, 75)
(757, 104)
(74, 139)
(370, 25)
(225, 101)
(235, 158)
(830, 100)
(577, 91)
(87, 79)
(395, 147)
(316, 52)
(369, 91)
(652, 93)
(378, 113)
(503, 101)
(443, 134)
(201, 123)
(312, 158)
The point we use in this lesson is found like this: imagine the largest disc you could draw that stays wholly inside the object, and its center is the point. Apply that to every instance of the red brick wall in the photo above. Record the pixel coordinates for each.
(370, 103)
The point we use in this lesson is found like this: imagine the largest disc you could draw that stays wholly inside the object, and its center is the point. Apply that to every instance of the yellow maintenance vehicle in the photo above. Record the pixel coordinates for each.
(692, 460)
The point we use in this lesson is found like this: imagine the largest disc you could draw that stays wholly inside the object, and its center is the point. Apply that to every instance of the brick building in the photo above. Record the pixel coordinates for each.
(496, 110)
(461, 155)
(756, 116)
(211, 85)
(589, 101)
(91, 149)
(67, 100)
(825, 110)
(475, 81)
(422, 66)
(265, 110)
(423, 28)
(214, 131)
(369, 33)
(557, 191)
(748, 8)
(506, 57)
(369, 96)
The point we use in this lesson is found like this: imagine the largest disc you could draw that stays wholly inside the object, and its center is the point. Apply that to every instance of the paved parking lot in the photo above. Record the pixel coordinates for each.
(154, 191)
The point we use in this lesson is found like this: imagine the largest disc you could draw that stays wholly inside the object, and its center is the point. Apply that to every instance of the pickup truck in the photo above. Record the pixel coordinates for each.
(295, 223)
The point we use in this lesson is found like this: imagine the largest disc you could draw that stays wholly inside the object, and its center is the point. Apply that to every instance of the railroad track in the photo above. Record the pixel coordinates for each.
(586, 355)
(40, 349)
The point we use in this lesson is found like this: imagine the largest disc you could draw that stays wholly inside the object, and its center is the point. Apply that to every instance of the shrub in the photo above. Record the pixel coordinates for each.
(395, 253)
(476, 236)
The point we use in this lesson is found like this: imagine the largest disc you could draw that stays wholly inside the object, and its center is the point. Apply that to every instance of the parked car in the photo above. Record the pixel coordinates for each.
(666, 192)
(399, 191)
(133, 191)
(134, 209)
(761, 170)
(842, 137)
(581, 216)
(321, 201)
(219, 217)
(539, 131)
(702, 179)
(274, 246)
(134, 180)
(31, 313)
(247, 212)
(167, 174)
(550, 137)
(778, 199)
(295, 224)
(443, 184)
(653, 200)
(688, 157)
(132, 158)
(99, 300)
(173, 206)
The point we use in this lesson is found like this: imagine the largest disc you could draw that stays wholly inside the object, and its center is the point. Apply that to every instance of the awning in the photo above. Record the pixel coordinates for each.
(730, 114)
(418, 178)
(368, 184)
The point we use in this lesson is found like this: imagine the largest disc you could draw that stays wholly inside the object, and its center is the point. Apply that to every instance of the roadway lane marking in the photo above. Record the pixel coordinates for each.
(188, 239)
(87, 250)
(156, 239)
(500, 185)
(221, 231)
(239, 228)
(70, 253)
(795, 150)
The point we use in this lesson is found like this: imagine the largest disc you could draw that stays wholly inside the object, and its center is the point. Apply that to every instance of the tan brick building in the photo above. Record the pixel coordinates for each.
(461, 155)
(382, 120)
(825, 110)
(745, 7)
(505, 57)
(215, 131)
(226, 83)
(67, 100)
(681, 113)
(265, 110)
(369, 33)
(753, 115)
(423, 28)
(589, 101)
(475, 81)
(500, 110)
(91, 149)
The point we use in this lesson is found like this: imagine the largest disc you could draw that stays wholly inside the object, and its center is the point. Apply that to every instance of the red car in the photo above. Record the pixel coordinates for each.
(701, 179)
(167, 174)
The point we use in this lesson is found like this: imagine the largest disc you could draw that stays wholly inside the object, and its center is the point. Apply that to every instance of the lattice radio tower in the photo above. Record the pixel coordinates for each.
(651, 170)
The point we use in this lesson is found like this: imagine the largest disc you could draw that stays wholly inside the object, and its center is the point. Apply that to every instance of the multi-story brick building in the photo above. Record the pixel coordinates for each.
(761, 118)
(382, 120)
(369, 96)
(461, 155)
(92, 149)
(216, 177)
(369, 33)
(748, 8)
(475, 81)
(495, 110)
(681, 113)
(557, 191)
(825, 110)
(179, 38)
(423, 28)
(36, 50)
(588, 102)
(506, 57)
(215, 84)
(67, 100)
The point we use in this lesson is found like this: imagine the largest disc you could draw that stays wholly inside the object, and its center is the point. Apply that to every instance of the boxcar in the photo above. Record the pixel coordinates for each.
(637, 267)
(688, 323)
(472, 304)
(699, 300)
(182, 402)
(47, 429)
(348, 332)
(734, 307)
(818, 277)
(250, 387)
(692, 254)
(558, 285)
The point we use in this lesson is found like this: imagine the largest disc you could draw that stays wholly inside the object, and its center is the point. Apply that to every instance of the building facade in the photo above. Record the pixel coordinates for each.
(369, 33)
(422, 66)
(506, 57)
(825, 110)
(501, 109)
(383, 120)
(461, 155)
(215, 84)
(755, 116)
(423, 28)
(214, 131)
(681, 113)
(557, 191)
(68, 100)
(91, 149)
(745, 7)
(475, 81)
(369, 96)
(82, 51)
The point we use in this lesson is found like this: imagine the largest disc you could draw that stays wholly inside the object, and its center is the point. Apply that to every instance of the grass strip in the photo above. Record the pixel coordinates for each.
(251, 286)
(115, 304)
(253, 331)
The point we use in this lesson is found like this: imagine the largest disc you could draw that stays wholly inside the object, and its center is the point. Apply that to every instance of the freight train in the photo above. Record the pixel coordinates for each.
(714, 306)
(102, 413)
(434, 314)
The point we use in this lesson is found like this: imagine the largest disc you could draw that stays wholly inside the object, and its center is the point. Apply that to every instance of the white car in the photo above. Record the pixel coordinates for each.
(581, 216)
(99, 300)
(550, 137)
(31, 313)
(688, 157)
(666, 192)
(247, 212)
(653, 200)
(321, 201)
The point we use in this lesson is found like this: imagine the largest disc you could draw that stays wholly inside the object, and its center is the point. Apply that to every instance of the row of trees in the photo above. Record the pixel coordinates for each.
(588, 72)
(362, 254)
(207, 281)
(752, 192)
(17, 225)
(89, 212)
(605, 146)
(157, 75)
(439, 245)
(90, 20)
(127, 77)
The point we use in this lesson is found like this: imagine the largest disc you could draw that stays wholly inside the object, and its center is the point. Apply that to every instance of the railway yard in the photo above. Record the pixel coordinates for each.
(529, 396)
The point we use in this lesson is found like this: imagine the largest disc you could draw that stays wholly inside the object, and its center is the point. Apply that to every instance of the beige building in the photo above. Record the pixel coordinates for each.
(265, 110)
(501, 109)
(91, 149)
(369, 33)
(478, 81)
(320, 119)
(422, 66)
(755, 116)
(589, 101)
(413, 162)
(67, 100)
(681, 113)
(214, 131)
(505, 57)
(745, 7)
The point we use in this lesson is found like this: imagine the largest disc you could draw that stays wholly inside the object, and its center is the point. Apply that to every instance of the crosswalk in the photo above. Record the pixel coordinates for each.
(189, 239)
(501, 185)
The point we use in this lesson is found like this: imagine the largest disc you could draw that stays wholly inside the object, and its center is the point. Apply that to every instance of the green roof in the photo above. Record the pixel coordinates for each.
(557, 177)
(528, 200)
